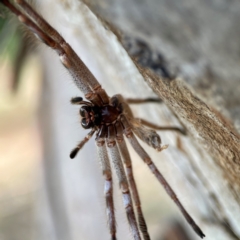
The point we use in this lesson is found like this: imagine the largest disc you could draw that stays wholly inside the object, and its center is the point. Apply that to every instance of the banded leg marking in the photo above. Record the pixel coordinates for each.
(108, 188)
(128, 164)
(118, 165)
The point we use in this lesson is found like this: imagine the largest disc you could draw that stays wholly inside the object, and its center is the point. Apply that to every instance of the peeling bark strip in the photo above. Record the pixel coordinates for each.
(217, 136)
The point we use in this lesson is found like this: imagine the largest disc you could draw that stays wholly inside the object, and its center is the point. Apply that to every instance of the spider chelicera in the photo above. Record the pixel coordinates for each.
(112, 120)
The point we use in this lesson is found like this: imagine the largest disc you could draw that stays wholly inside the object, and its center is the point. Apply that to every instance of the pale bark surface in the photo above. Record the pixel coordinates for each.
(199, 44)
(201, 40)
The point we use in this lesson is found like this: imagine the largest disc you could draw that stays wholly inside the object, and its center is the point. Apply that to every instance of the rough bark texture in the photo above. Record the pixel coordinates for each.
(188, 53)
(205, 122)
(196, 108)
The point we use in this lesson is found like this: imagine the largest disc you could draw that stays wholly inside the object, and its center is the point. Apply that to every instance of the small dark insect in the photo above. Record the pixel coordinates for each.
(112, 121)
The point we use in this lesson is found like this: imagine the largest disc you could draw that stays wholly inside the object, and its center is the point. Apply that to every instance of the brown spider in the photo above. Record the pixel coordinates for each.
(112, 121)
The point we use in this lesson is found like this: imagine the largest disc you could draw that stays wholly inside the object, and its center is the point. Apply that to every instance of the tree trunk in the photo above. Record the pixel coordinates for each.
(186, 54)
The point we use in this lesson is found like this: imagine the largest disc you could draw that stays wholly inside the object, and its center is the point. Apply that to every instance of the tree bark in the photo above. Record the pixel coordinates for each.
(189, 57)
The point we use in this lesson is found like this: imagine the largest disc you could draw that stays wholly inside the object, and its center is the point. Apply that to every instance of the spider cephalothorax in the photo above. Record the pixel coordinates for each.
(95, 116)
(112, 121)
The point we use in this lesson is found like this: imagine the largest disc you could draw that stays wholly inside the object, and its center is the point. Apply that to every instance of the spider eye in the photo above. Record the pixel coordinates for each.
(86, 124)
(84, 110)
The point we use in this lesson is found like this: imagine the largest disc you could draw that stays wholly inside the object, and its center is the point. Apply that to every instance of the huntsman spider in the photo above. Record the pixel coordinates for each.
(112, 121)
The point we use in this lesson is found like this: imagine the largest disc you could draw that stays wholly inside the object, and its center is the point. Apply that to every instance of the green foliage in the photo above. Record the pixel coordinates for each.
(10, 36)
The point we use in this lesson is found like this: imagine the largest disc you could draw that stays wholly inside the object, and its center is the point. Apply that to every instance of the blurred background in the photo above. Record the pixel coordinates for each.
(44, 194)
(20, 145)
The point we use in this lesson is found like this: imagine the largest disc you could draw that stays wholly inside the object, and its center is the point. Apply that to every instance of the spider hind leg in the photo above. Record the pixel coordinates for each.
(145, 157)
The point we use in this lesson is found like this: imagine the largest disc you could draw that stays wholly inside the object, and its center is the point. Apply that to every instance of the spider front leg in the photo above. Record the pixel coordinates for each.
(82, 76)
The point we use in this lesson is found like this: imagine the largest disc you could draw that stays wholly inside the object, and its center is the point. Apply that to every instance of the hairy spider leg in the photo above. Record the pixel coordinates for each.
(82, 76)
(81, 144)
(127, 200)
(133, 188)
(48, 41)
(149, 124)
(145, 157)
(143, 100)
(108, 134)
(160, 128)
(128, 166)
(79, 101)
(108, 188)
